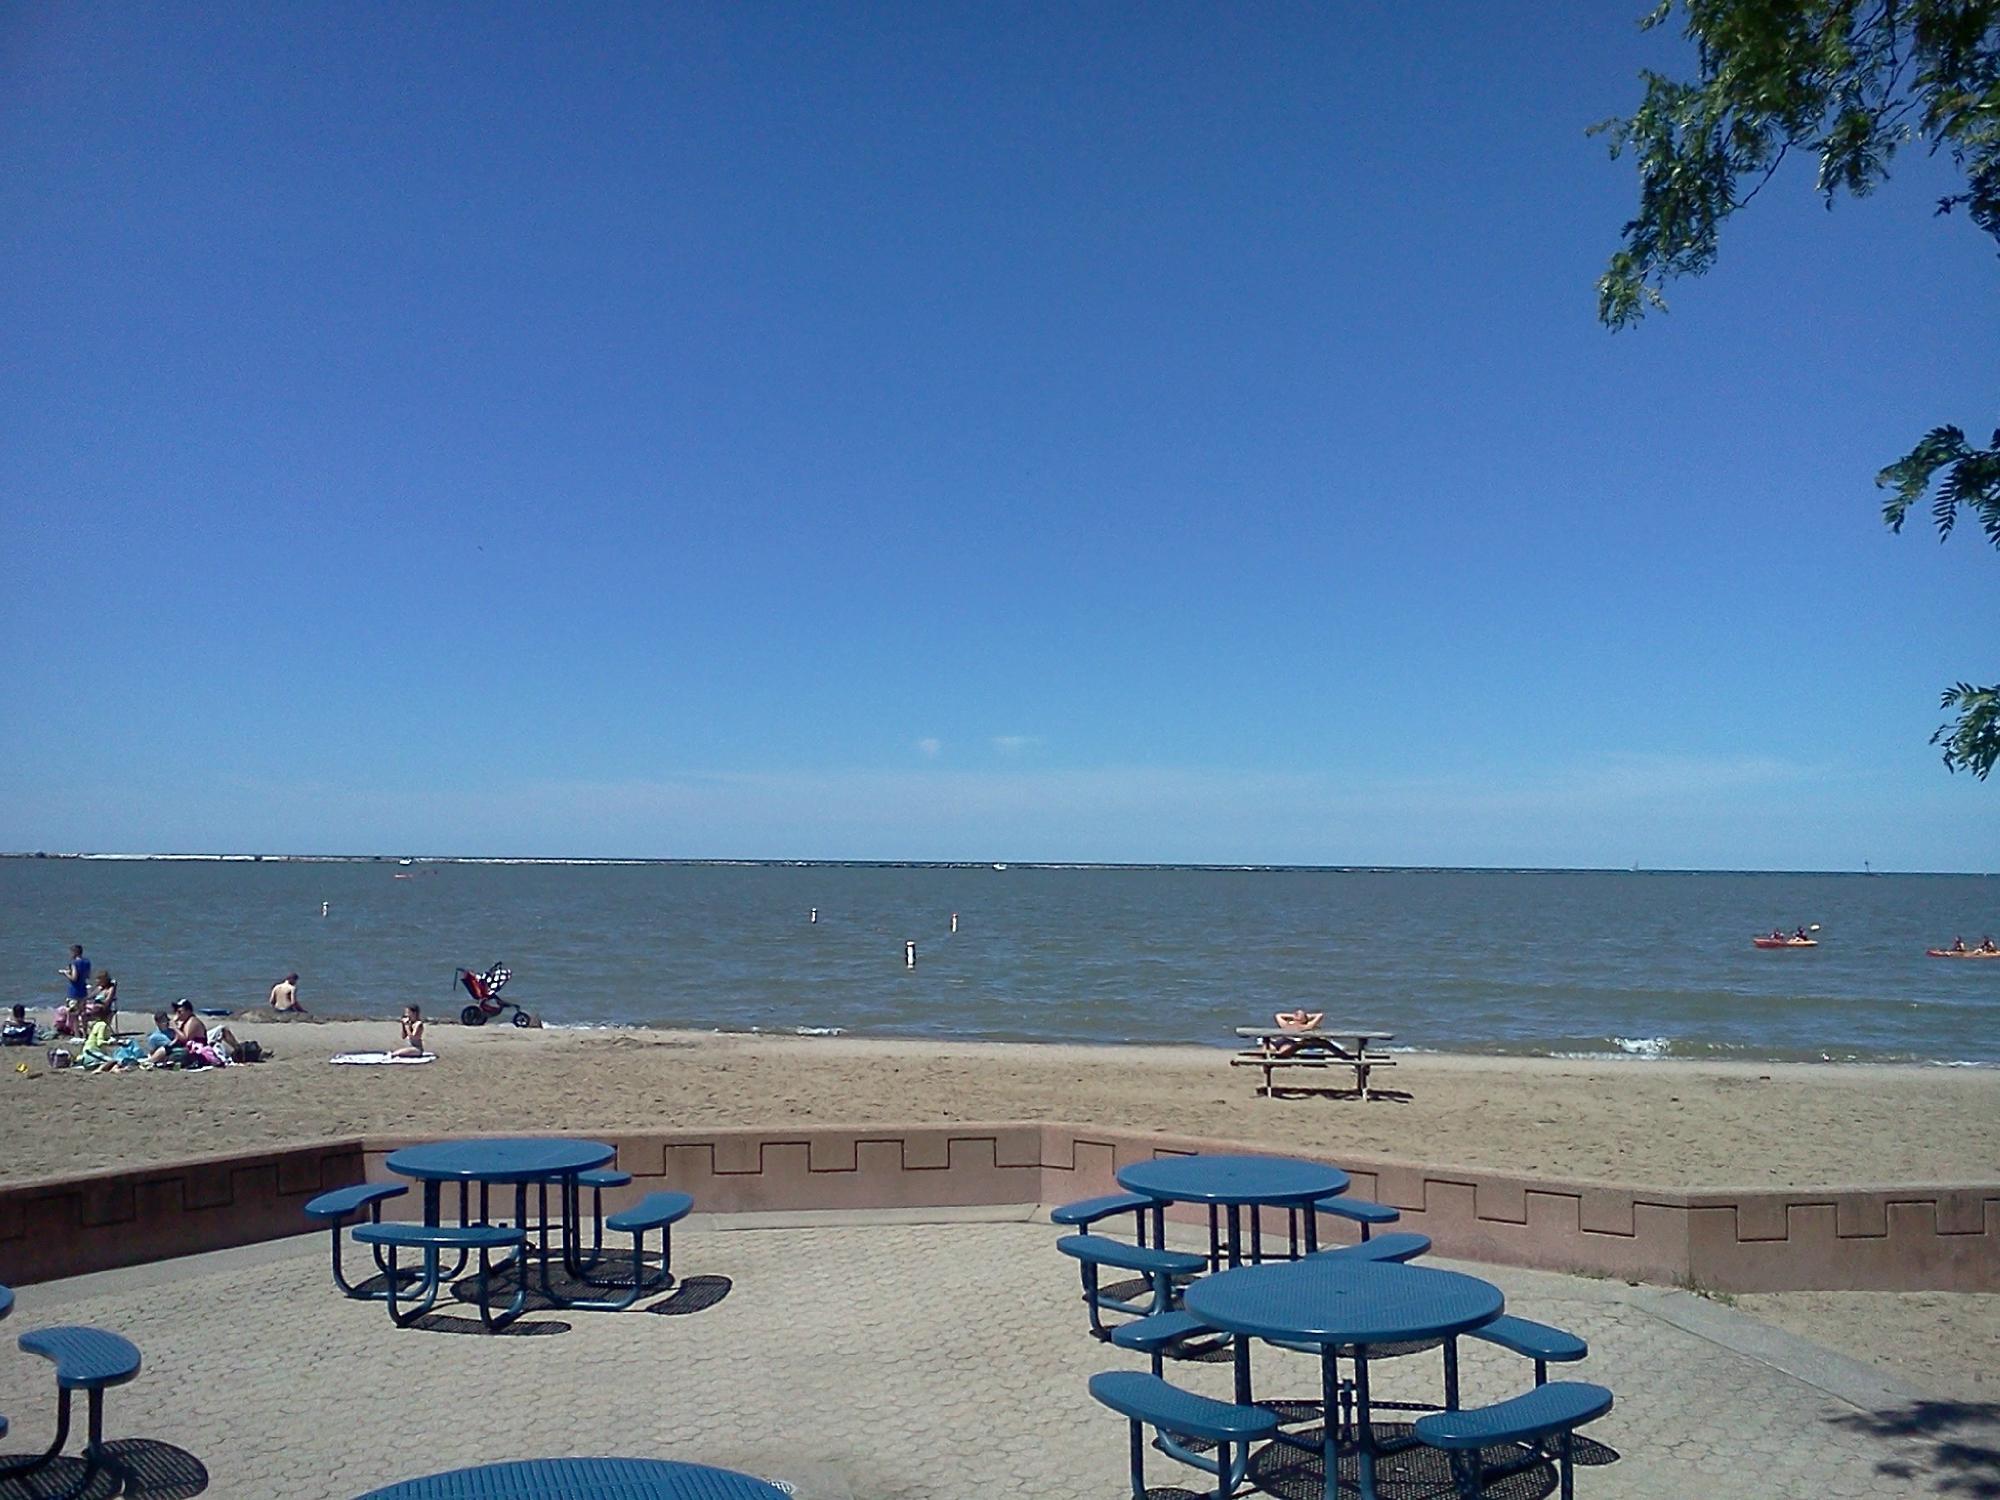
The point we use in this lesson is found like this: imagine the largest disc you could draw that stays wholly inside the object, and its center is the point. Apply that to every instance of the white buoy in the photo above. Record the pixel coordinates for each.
(909, 954)
(814, 917)
(954, 921)
(322, 908)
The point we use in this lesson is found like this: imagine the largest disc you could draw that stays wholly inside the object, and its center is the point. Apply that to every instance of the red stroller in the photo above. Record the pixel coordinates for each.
(485, 992)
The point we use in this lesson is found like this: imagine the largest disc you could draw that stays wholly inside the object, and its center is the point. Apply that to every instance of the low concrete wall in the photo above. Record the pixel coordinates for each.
(1929, 1238)
(750, 1170)
(1895, 1238)
(102, 1220)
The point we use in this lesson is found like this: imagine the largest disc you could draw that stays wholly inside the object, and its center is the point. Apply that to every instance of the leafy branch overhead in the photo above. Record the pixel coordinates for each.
(1849, 84)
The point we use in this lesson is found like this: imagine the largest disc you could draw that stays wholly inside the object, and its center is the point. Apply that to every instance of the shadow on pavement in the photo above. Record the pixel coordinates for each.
(1961, 1439)
(444, 1322)
(696, 1294)
(136, 1468)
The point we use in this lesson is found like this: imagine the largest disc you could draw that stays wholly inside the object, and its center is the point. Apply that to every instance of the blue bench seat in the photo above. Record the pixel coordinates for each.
(1178, 1415)
(1155, 1335)
(1532, 1340)
(657, 1210)
(654, 1211)
(1554, 1410)
(1369, 1216)
(440, 1236)
(1102, 1250)
(344, 1203)
(1403, 1245)
(90, 1360)
(340, 1205)
(1087, 1211)
(1159, 1267)
(1160, 1331)
(433, 1238)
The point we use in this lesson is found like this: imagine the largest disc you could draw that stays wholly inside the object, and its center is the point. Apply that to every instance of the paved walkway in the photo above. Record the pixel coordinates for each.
(887, 1362)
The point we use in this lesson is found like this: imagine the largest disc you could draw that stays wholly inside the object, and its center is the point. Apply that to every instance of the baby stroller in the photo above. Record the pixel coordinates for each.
(485, 992)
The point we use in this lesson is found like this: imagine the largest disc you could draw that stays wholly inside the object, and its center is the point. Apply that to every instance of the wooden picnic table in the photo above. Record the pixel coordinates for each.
(1314, 1047)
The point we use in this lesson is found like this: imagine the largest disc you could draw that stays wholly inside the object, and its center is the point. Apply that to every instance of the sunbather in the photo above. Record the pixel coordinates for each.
(103, 1002)
(413, 1033)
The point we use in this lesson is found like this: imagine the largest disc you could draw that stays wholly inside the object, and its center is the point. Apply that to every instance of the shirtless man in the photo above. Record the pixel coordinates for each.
(285, 995)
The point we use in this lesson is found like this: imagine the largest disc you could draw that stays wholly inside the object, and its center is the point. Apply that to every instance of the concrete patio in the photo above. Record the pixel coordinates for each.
(868, 1357)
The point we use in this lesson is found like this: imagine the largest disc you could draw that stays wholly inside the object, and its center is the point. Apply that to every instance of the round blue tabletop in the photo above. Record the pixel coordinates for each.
(505, 1159)
(1232, 1179)
(583, 1479)
(1328, 1299)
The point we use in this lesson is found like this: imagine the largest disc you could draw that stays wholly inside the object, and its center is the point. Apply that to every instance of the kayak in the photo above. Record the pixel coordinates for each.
(1959, 953)
(1771, 942)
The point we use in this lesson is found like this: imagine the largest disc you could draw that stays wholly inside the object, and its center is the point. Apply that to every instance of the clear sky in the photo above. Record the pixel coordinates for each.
(1171, 432)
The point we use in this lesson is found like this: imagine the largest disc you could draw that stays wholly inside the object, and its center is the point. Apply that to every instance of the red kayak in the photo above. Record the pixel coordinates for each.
(1777, 942)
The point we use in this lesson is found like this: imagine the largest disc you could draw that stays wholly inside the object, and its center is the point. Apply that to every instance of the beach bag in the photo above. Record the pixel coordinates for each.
(250, 1052)
(58, 1059)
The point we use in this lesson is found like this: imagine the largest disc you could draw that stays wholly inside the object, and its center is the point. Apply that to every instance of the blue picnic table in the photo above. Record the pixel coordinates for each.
(1231, 1184)
(583, 1479)
(1342, 1307)
(519, 1162)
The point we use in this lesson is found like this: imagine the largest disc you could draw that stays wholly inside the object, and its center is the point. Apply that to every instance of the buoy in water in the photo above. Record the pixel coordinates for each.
(322, 908)
(909, 954)
(813, 916)
(954, 921)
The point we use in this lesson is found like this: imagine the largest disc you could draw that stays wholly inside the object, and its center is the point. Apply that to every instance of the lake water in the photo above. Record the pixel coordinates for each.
(1536, 962)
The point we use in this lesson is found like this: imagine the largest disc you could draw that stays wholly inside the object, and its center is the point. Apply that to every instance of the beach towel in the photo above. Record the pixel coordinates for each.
(376, 1059)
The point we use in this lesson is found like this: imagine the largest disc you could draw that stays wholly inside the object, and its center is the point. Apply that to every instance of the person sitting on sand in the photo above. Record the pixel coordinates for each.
(162, 1035)
(413, 1033)
(19, 1030)
(190, 1034)
(285, 995)
(104, 1053)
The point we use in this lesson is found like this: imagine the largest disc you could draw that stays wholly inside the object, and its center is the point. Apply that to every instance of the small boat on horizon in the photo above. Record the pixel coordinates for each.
(1777, 939)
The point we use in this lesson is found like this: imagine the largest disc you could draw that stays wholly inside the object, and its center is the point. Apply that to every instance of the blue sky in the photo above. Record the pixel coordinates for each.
(1153, 432)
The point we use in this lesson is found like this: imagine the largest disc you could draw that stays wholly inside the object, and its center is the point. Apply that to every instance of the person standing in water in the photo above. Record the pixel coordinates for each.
(285, 995)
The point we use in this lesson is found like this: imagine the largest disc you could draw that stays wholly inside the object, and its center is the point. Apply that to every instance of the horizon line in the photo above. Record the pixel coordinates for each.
(780, 862)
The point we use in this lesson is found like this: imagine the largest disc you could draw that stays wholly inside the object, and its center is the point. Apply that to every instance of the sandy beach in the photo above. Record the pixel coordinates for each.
(1665, 1124)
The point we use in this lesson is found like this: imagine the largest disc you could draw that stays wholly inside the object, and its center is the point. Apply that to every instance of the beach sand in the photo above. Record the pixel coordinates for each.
(1664, 1124)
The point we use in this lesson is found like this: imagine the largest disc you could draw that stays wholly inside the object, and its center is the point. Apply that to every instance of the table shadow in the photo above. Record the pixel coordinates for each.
(137, 1468)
